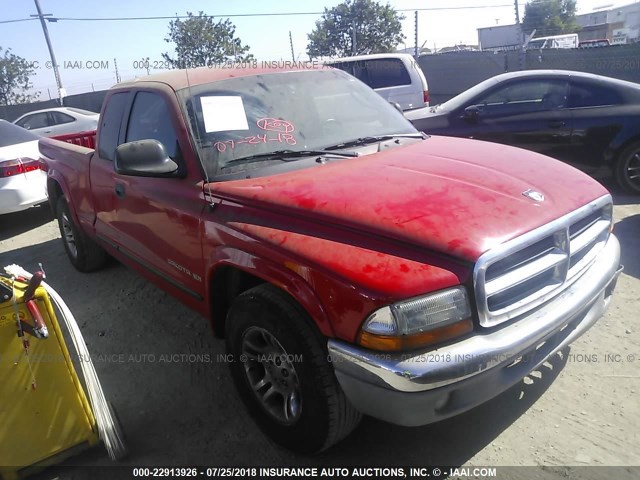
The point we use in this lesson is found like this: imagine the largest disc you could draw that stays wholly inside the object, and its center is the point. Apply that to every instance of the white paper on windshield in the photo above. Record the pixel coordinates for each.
(223, 113)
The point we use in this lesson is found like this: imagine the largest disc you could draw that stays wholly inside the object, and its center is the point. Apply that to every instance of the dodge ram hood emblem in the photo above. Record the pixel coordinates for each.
(533, 195)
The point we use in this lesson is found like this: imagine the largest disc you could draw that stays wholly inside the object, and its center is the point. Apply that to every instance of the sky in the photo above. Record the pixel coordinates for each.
(97, 46)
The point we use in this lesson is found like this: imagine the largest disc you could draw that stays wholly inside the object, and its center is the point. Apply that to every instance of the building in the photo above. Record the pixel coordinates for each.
(499, 37)
(618, 25)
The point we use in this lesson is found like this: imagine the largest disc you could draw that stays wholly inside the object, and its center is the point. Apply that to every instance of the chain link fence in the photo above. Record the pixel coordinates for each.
(452, 73)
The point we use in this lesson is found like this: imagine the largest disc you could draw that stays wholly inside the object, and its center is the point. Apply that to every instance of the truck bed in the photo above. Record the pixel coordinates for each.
(68, 163)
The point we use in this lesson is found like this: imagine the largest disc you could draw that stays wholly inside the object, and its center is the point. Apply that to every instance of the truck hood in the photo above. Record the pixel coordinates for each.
(455, 196)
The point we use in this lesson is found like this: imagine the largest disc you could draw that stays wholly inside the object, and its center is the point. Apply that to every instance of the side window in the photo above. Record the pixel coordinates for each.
(524, 97)
(37, 120)
(23, 122)
(360, 72)
(591, 95)
(344, 66)
(387, 72)
(150, 119)
(110, 125)
(60, 118)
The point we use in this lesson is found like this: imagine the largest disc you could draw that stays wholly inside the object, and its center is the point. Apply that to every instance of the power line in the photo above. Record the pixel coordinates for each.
(18, 20)
(281, 14)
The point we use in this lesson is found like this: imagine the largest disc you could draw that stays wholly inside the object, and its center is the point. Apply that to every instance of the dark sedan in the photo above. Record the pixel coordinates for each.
(589, 121)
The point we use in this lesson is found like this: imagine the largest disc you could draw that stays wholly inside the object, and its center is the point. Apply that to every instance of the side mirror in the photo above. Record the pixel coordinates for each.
(471, 113)
(144, 158)
(397, 106)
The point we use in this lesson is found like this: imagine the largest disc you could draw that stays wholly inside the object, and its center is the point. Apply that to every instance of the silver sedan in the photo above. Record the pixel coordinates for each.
(58, 121)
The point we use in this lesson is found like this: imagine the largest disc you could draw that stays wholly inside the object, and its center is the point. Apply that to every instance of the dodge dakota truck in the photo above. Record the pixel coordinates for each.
(352, 264)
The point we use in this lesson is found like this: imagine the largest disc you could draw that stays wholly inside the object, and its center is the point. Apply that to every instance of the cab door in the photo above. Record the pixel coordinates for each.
(153, 221)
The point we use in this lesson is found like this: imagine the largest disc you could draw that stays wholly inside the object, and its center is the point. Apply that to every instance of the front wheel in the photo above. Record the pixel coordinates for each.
(627, 169)
(282, 373)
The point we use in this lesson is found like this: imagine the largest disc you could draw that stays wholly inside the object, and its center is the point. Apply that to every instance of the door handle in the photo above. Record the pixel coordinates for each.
(557, 124)
(119, 189)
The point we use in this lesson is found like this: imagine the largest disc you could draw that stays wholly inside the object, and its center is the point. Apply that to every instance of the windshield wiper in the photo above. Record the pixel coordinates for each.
(375, 139)
(286, 156)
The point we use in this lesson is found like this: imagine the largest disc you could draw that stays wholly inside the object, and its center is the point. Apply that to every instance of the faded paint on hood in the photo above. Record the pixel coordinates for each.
(456, 196)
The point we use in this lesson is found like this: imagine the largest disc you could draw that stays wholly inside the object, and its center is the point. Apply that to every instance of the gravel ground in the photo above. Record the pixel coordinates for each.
(582, 412)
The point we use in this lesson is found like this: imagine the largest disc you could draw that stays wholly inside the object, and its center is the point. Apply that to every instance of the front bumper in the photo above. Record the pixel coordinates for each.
(423, 387)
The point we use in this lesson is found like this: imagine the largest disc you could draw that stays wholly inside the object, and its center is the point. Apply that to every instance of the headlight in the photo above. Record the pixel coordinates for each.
(418, 322)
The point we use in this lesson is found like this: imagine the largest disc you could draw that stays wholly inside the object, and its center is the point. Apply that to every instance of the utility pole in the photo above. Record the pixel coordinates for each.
(353, 37)
(519, 33)
(293, 55)
(56, 72)
(117, 73)
(416, 52)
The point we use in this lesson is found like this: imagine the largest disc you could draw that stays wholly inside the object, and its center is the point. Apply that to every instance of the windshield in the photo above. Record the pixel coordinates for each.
(465, 97)
(11, 134)
(536, 44)
(301, 110)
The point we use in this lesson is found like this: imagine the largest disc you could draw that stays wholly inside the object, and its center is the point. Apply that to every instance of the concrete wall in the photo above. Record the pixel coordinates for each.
(451, 74)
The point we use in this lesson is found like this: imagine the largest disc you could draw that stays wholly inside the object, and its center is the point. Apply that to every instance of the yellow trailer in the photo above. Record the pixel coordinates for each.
(45, 414)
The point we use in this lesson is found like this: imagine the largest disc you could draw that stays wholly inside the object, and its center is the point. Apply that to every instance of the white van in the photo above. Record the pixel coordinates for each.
(397, 77)
(570, 40)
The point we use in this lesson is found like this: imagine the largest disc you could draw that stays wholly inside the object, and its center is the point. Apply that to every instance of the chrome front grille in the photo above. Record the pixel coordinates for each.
(529, 270)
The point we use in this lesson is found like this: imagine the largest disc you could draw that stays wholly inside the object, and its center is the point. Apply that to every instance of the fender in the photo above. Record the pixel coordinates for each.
(289, 278)
(53, 176)
(620, 146)
(68, 166)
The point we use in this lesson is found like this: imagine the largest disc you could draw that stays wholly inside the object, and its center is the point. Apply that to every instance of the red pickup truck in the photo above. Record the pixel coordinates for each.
(353, 265)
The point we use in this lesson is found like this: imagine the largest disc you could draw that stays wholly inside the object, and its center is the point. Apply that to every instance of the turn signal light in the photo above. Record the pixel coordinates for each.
(395, 343)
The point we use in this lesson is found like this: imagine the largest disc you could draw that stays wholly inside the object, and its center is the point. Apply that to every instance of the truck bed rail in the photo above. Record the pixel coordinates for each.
(84, 139)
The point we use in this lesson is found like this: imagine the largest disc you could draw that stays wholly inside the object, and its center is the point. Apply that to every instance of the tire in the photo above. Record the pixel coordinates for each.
(304, 409)
(627, 169)
(85, 255)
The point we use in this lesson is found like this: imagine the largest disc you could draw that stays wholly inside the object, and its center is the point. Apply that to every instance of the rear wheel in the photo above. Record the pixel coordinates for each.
(627, 169)
(282, 373)
(85, 255)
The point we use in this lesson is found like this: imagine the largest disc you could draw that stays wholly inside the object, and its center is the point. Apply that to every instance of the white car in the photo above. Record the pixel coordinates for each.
(397, 77)
(58, 121)
(23, 180)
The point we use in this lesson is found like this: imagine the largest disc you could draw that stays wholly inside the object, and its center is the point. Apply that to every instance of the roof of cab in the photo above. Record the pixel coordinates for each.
(179, 79)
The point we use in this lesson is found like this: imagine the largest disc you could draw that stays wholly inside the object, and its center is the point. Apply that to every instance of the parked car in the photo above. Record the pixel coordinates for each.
(352, 264)
(568, 40)
(397, 77)
(589, 121)
(23, 183)
(51, 122)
